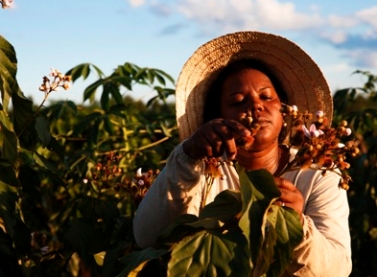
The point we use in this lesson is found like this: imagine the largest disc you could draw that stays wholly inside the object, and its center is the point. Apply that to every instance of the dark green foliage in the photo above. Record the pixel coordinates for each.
(359, 107)
(65, 170)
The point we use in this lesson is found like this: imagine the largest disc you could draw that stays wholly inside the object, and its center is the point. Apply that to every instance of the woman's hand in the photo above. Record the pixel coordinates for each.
(215, 137)
(290, 196)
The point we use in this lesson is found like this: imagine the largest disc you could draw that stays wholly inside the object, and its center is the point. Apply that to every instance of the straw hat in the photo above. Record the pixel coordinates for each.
(299, 75)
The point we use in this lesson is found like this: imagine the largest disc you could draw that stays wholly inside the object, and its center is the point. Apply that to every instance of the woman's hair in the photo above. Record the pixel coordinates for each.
(212, 104)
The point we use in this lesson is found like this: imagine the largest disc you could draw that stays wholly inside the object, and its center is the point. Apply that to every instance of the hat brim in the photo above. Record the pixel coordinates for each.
(299, 76)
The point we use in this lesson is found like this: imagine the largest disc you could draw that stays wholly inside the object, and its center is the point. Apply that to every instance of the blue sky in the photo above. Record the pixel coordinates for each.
(341, 36)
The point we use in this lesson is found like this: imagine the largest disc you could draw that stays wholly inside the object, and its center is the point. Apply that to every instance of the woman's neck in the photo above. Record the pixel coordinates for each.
(267, 158)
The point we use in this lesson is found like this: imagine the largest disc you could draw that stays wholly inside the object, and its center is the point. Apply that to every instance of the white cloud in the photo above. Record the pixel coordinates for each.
(223, 16)
(248, 14)
(161, 9)
(368, 16)
(336, 37)
(368, 60)
(336, 21)
(339, 67)
(283, 16)
(136, 3)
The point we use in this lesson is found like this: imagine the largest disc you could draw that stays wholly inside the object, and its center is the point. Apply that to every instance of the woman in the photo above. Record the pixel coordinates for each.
(250, 74)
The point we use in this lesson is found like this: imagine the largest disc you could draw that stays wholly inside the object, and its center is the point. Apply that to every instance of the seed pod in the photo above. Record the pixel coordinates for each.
(343, 123)
(341, 129)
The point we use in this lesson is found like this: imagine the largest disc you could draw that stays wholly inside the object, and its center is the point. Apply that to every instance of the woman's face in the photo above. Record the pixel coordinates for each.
(251, 90)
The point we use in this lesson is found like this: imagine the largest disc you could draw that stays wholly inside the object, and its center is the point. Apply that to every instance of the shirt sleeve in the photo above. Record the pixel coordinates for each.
(325, 249)
(176, 190)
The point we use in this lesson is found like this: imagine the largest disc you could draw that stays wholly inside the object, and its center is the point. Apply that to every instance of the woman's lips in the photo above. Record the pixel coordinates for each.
(262, 121)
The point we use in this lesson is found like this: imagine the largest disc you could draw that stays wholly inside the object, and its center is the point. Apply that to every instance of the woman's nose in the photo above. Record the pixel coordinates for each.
(256, 104)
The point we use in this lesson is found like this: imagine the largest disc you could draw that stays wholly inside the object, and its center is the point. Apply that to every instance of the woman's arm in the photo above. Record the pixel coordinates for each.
(325, 249)
(176, 190)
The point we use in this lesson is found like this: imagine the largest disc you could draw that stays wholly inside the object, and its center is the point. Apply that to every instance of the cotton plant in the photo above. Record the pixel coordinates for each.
(318, 146)
(6, 3)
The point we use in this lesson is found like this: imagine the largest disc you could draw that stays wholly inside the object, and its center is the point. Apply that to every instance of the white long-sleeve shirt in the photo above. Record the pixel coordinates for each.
(325, 249)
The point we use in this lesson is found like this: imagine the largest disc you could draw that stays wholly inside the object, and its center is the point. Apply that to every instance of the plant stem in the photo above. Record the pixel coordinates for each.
(34, 115)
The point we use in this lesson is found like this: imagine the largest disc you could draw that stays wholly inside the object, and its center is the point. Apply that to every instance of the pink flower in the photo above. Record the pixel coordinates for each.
(347, 131)
(319, 114)
(312, 132)
(53, 72)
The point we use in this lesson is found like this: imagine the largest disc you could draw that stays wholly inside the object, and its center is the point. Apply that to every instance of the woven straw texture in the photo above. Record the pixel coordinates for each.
(299, 75)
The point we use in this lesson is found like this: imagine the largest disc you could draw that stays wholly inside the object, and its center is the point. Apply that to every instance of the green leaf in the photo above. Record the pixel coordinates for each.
(21, 237)
(284, 234)
(5, 120)
(258, 186)
(165, 130)
(83, 70)
(164, 74)
(42, 127)
(113, 89)
(159, 78)
(100, 257)
(63, 109)
(8, 174)
(177, 230)
(135, 261)
(272, 231)
(111, 257)
(211, 254)
(24, 121)
(90, 91)
(8, 144)
(9, 263)
(105, 99)
(130, 69)
(41, 160)
(57, 148)
(225, 207)
(76, 72)
(83, 236)
(118, 110)
(108, 125)
(150, 76)
(123, 80)
(107, 210)
(87, 122)
(8, 196)
(94, 132)
(141, 75)
(258, 191)
(8, 70)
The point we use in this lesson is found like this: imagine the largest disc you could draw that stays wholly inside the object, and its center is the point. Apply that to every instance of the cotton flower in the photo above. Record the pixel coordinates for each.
(319, 114)
(53, 72)
(138, 172)
(312, 132)
(347, 132)
(45, 250)
(6, 3)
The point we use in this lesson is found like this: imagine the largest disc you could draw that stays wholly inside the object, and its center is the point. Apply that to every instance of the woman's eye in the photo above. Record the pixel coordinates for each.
(237, 99)
(265, 97)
